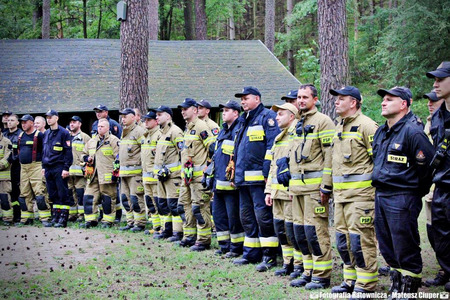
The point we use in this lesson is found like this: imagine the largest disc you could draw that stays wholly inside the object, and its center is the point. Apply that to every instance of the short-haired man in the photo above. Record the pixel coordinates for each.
(277, 195)
(167, 169)
(138, 117)
(230, 233)
(291, 97)
(77, 181)
(56, 161)
(194, 201)
(253, 156)
(101, 152)
(5, 180)
(102, 112)
(309, 164)
(32, 186)
(353, 193)
(39, 124)
(204, 108)
(440, 132)
(148, 151)
(401, 175)
(5, 116)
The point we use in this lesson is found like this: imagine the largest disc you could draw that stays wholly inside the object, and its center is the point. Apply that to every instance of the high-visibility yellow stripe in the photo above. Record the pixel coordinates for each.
(409, 273)
(327, 171)
(238, 237)
(350, 274)
(177, 219)
(298, 255)
(307, 264)
(279, 187)
(189, 231)
(109, 218)
(44, 214)
(367, 277)
(287, 252)
(323, 265)
(129, 142)
(252, 242)
(352, 185)
(91, 217)
(269, 241)
(306, 181)
(204, 231)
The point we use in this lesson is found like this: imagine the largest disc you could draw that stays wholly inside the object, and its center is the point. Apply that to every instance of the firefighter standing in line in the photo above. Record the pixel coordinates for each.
(309, 164)
(77, 182)
(56, 160)
(5, 116)
(101, 153)
(5, 180)
(39, 124)
(440, 207)
(277, 195)
(401, 176)
(353, 193)
(194, 201)
(32, 185)
(148, 148)
(230, 234)
(167, 169)
(12, 134)
(253, 144)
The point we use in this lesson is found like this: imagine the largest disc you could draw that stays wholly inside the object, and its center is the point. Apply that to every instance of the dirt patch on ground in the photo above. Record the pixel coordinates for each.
(28, 251)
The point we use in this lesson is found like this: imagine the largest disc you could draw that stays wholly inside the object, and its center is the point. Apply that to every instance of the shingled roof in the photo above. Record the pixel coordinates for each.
(76, 75)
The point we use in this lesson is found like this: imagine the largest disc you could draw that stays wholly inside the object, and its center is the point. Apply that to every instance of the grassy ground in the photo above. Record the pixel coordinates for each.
(137, 267)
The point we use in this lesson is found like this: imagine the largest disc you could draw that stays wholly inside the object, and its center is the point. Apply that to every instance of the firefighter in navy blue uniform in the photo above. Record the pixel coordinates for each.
(12, 134)
(440, 206)
(253, 156)
(101, 112)
(32, 185)
(401, 177)
(56, 161)
(230, 233)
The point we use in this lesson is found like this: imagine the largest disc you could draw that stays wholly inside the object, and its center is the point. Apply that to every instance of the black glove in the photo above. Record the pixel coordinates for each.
(283, 174)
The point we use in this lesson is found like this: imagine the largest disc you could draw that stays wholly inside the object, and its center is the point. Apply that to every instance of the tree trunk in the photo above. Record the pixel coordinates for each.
(232, 28)
(290, 52)
(134, 57)
(333, 45)
(255, 23)
(200, 20)
(153, 19)
(37, 12)
(269, 32)
(46, 19)
(85, 19)
(99, 26)
(188, 20)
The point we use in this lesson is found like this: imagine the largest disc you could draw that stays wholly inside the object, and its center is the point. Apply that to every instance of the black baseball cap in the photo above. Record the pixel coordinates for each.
(7, 112)
(101, 107)
(347, 91)
(52, 112)
(231, 104)
(291, 95)
(248, 90)
(397, 91)
(76, 118)
(442, 71)
(127, 111)
(166, 109)
(26, 118)
(150, 115)
(188, 102)
(431, 96)
(205, 103)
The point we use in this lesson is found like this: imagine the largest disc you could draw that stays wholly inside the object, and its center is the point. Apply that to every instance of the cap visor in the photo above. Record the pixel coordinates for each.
(438, 74)
(240, 95)
(383, 92)
(335, 92)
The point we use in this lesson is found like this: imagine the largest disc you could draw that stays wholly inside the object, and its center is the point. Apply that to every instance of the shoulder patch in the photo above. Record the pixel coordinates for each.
(354, 129)
(180, 145)
(420, 157)
(203, 134)
(192, 132)
(68, 143)
(215, 131)
(271, 122)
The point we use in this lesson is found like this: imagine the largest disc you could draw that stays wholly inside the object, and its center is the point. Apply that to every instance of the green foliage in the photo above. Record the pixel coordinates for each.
(219, 11)
(309, 66)
(15, 21)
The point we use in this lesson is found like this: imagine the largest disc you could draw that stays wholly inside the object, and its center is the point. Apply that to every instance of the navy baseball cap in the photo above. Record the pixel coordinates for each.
(166, 109)
(26, 118)
(101, 107)
(248, 90)
(51, 112)
(127, 111)
(290, 96)
(204, 103)
(442, 71)
(76, 118)
(431, 96)
(231, 104)
(150, 115)
(7, 112)
(347, 91)
(397, 91)
(188, 102)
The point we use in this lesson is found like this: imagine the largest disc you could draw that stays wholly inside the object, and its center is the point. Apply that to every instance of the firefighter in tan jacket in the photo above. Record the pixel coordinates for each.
(5, 180)
(77, 182)
(194, 201)
(100, 153)
(354, 195)
(310, 185)
(148, 151)
(131, 188)
(277, 195)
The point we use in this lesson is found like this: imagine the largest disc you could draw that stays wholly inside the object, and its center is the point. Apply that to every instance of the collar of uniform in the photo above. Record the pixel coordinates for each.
(127, 130)
(191, 124)
(105, 137)
(349, 118)
(166, 128)
(251, 114)
(283, 132)
(397, 126)
(308, 113)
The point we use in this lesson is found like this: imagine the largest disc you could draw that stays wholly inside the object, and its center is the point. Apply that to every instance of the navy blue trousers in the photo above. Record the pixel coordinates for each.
(57, 187)
(440, 226)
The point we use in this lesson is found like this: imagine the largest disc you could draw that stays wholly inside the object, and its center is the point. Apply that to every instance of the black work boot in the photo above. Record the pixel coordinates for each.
(177, 236)
(56, 213)
(285, 270)
(231, 254)
(220, 252)
(47, 224)
(298, 271)
(447, 287)
(384, 271)
(199, 247)
(302, 281)
(410, 285)
(319, 283)
(440, 279)
(266, 264)
(396, 282)
(344, 288)
(126, 227)
(189, 242)
(137, 228)
(88, 224)
(63, 217)
(241, 261)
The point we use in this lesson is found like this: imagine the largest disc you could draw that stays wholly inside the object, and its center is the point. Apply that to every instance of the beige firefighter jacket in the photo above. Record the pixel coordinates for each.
(148, 151)
(130, 151)
(168, 147)
(78, 143)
